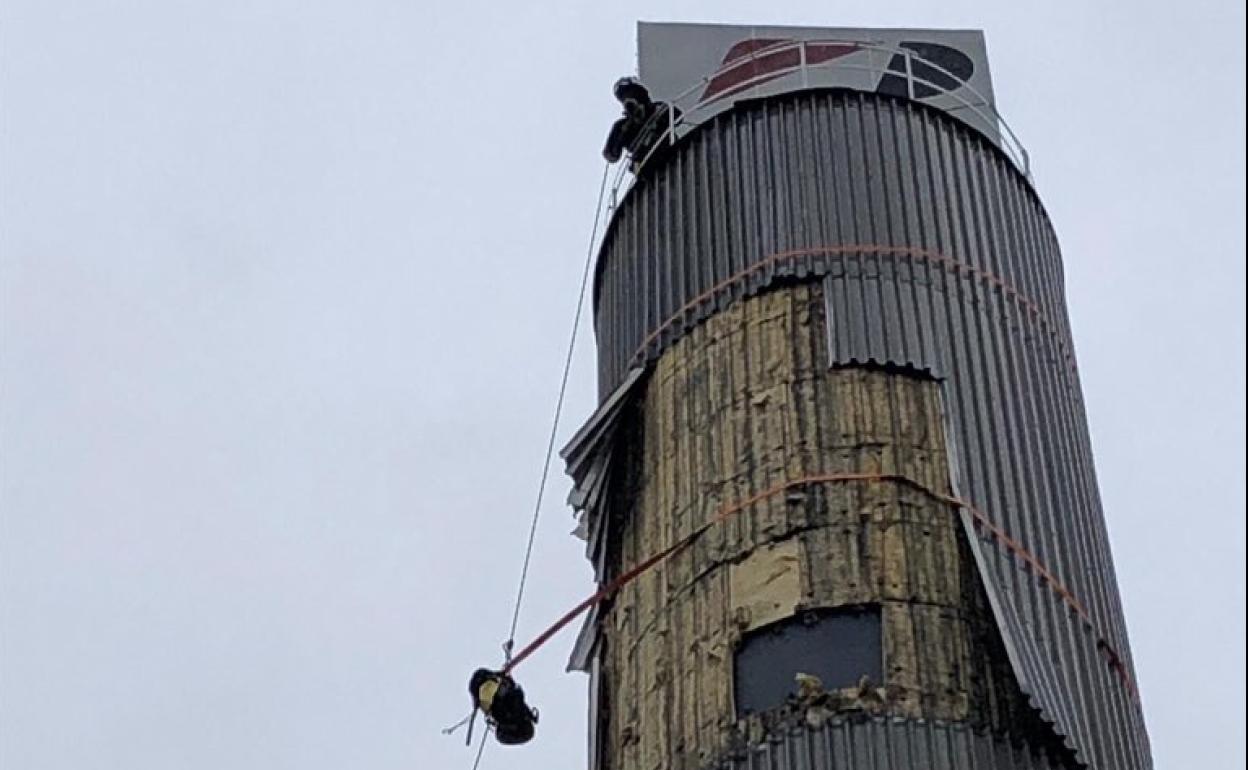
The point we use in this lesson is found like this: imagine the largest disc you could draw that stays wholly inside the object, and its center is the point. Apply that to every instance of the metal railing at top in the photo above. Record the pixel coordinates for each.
(690, 104)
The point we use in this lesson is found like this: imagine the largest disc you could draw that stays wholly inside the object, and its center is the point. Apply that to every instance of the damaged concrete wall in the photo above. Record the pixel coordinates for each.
(741, 406)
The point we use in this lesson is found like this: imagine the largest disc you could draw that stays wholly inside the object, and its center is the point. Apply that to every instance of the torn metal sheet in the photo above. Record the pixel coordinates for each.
(1036, 678)
(588, 457)
(877, 332)
(582, 656)
(581, 532)
(602, 422)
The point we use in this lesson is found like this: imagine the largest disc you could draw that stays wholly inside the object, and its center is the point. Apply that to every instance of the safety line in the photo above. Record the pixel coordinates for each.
(476, 763)
(926, 255)
(982, 519)
(554, 428)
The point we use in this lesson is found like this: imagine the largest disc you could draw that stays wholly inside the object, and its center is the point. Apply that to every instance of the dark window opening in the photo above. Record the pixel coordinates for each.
(838, 646)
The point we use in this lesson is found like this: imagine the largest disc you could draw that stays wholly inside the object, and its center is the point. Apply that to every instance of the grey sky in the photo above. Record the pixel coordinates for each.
(284, 290)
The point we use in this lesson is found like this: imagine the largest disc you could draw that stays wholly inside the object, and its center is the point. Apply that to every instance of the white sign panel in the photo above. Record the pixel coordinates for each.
(706, 68)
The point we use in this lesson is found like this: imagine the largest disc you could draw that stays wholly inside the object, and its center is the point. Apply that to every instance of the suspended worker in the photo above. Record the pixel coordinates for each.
(644, 124)
(502, 701)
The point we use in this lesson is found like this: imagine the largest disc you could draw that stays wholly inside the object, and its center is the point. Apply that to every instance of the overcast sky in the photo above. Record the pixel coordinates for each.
(284, 291)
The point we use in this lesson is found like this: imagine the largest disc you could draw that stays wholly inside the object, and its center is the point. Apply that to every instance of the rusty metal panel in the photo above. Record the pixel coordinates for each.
(936, 256)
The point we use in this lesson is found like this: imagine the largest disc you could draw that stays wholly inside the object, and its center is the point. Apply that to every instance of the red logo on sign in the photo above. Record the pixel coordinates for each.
(754, 62)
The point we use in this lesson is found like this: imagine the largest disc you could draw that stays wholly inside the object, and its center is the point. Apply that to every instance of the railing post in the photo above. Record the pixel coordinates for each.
(909, 77)
(801, 47)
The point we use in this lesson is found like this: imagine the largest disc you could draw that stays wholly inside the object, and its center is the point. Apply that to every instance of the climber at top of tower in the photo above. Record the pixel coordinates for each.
(644, 123)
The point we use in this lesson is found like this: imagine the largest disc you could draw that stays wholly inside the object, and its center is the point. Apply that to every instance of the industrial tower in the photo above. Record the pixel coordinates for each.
(831, 322)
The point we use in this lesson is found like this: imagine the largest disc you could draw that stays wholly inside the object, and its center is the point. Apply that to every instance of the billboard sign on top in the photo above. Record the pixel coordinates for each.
(706, 68)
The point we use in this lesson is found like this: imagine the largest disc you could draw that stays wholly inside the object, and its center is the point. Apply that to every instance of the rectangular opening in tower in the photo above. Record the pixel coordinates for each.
(838, 647)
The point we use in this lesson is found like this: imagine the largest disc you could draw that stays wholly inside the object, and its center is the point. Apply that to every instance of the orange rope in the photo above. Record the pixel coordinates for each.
(981, 519)
(611, 588)
(926, 255)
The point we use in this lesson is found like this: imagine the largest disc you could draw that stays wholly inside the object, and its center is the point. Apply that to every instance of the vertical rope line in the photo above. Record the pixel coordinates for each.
(554, 428)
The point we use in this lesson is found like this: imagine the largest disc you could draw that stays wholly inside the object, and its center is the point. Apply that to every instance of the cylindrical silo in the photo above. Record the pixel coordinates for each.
(839, 313)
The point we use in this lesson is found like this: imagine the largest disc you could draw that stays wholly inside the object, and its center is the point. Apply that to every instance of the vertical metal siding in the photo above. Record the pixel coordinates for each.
(936, 255)
(588, 455)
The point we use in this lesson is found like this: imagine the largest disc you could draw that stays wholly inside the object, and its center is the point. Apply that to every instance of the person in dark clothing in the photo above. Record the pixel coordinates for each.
(502, 701)
(644, 123)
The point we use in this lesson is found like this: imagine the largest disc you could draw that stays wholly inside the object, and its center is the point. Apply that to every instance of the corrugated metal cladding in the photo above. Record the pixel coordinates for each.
(861, 187)
(588, 455)
(884, 744)
(936, 255)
